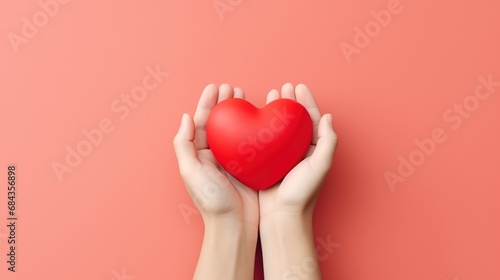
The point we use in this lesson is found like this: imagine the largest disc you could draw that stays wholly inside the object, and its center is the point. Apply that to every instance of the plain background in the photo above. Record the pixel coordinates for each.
(123, 212)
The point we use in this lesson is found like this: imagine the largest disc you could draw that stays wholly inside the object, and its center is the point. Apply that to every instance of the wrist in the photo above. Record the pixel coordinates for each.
(277, 221)
(231, 226)
(236, 222)
(287, 244)
(228, 250)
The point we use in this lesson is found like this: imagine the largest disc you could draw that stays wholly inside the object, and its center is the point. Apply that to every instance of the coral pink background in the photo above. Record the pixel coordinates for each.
(123, 210)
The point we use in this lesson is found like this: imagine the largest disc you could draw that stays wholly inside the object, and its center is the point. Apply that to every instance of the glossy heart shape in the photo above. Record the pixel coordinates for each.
(259, 146)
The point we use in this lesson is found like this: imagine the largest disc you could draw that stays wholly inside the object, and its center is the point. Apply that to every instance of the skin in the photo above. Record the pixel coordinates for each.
(234, 214)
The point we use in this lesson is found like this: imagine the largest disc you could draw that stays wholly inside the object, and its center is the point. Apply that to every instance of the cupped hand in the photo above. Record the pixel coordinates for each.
(298, 192)
(215, 192)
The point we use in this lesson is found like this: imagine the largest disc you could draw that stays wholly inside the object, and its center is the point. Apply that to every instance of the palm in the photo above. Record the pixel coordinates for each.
(300, 187)
(214, 191)
(291, 192)
(223, 193)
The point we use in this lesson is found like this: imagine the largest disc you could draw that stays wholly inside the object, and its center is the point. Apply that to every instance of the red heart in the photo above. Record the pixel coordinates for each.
(259, 146)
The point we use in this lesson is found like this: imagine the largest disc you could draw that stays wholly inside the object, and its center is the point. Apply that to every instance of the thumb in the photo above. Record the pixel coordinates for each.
(322, 157)
(185, 149)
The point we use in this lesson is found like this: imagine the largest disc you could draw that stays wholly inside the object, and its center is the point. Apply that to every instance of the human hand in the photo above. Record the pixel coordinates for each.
(230, 210)
(298, 192)
(216, 193)
(286, 208)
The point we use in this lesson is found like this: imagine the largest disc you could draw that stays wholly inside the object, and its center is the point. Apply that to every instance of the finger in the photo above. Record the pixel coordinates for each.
(321, 158)
(239, 93)
(225, 92)
(208, 100)
(287, 91)
(272, 95)
(185, 149)
(305, 97)
(310, 151)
